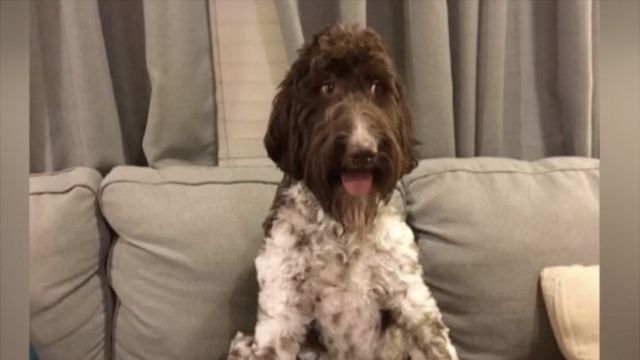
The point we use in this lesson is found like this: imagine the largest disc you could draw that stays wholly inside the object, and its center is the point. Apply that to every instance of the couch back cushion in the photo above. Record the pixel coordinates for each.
(182, 262)
(486, 227)
(70, 301)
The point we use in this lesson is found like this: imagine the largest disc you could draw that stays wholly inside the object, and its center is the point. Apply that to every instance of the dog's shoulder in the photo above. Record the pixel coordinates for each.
(293, 214)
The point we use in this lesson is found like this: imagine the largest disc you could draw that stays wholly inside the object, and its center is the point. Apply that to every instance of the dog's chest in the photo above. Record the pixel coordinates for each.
(346, 279)
(339, 264)
(342, 268)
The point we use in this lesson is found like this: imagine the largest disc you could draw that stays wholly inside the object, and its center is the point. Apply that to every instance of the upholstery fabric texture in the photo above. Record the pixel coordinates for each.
(182, 263)
(70, 301)
(486, 227)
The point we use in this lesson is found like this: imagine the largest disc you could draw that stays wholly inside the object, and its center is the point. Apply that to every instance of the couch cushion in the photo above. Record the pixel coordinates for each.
(70, 302)
(486, 228)
(182, 263)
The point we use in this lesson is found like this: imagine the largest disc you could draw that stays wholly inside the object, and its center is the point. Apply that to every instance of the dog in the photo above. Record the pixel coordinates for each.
(338, 271)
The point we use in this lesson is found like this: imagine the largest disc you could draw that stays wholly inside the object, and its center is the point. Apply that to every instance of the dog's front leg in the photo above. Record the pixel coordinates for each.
(284, 310)
(416, 312)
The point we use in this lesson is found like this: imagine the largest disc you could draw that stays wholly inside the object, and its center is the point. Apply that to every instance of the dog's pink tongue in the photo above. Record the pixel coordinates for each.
(357, 183)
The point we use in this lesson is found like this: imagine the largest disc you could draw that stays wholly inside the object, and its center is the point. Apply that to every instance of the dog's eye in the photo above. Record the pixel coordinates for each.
(377, 88)
(328, 88)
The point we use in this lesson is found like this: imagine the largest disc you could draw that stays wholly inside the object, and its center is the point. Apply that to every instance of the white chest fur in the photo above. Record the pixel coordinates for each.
(341, 281)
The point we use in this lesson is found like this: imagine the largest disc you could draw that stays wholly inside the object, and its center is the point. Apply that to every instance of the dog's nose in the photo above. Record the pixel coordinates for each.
(361, 156)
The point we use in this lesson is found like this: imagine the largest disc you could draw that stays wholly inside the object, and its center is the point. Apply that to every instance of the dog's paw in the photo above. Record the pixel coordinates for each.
(241, 347)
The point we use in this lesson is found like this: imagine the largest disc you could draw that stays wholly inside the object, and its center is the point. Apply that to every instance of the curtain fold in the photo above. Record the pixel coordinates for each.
(70, 88)
(290, 26)
(492, 77)
(124, 40)
(181, 126)
(427, 67)
(464, 52)
(575, 74)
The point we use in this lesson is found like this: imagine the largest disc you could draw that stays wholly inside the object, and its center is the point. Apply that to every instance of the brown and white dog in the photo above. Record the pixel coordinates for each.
(338, 272)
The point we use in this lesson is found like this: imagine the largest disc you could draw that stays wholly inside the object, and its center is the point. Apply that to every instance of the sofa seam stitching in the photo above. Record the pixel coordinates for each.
(175, 182)
(66, 190)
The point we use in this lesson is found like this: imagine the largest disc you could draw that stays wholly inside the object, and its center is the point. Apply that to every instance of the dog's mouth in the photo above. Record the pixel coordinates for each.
(357, 182)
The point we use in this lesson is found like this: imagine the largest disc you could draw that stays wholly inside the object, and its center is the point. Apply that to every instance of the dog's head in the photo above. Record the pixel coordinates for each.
(340, 123)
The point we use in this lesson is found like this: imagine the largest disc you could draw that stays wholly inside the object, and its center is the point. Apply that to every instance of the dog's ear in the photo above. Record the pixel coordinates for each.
(405, 136)
(276, 138)
(282, 139)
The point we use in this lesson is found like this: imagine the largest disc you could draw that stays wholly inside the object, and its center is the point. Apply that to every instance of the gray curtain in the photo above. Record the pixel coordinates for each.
(121, 82)
(484, 78)
(131, 82)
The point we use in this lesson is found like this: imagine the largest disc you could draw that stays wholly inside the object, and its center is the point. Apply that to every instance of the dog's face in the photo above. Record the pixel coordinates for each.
(340, 123)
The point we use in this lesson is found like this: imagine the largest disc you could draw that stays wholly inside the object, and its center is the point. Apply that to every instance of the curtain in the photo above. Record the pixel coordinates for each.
(484, 78)
(134, 82)
(121, 82)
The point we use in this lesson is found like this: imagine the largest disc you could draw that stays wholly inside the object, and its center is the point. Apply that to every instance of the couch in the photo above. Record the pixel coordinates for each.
(158, 263)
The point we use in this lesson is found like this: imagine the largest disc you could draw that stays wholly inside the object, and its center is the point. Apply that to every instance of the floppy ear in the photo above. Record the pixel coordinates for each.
(282, 138)
(275, 138)
(405, 131)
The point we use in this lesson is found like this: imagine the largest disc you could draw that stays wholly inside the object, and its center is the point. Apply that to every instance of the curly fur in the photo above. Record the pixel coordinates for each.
(339, 274)
(307, 132)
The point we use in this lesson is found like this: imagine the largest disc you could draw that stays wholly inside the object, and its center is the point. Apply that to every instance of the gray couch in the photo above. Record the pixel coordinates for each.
(158, 264)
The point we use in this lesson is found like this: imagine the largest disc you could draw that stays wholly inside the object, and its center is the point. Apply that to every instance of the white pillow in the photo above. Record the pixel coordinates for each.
(571, 296)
